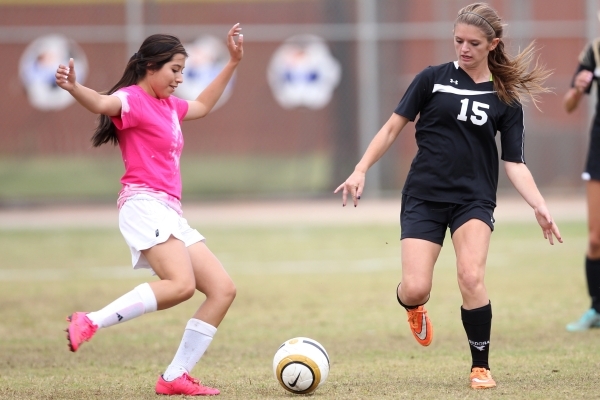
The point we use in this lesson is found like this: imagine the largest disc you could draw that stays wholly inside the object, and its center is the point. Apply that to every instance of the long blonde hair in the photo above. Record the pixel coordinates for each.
(513, 77)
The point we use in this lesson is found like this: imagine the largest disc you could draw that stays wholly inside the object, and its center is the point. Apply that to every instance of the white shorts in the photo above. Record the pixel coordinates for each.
(145, 222)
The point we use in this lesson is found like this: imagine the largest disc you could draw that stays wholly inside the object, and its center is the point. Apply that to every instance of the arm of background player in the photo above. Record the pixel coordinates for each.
(580, 84)
(522, 180)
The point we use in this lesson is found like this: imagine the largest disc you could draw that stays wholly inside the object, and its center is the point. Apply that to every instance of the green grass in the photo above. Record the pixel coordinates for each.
(332, 283)
(53, 179)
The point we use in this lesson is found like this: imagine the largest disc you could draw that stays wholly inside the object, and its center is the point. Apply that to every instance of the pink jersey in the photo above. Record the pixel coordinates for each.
(151, 142)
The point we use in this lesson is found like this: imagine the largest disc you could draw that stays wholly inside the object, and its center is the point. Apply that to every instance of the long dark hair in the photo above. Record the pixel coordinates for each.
(156, 51)
(513, 77)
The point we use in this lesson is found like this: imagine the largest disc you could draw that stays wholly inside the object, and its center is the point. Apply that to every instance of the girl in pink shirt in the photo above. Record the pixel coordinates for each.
(140, 115)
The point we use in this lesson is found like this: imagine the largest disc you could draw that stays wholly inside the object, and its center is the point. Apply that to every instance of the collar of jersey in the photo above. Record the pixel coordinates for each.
(458, 66)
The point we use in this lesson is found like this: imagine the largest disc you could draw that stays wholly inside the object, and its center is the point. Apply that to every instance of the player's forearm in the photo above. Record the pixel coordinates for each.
(212, 93)
(521, 178)
(382, 142)
(571, 99)
(88, 98)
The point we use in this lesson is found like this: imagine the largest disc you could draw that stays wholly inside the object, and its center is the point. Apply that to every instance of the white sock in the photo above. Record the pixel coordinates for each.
(196, 338)
(139, 301)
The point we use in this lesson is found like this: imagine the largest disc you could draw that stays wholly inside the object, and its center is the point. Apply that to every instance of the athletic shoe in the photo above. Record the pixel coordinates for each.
(420, 325)
(481, 378)
(81, 329)
(186, 385)
(591, 319)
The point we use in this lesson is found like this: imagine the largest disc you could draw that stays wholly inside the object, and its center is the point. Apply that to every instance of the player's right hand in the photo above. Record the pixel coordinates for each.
(65, 76)
(353, 185)
(583, 80)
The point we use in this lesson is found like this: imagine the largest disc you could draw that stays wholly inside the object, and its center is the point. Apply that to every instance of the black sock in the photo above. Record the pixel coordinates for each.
(478, 326)
(592, 273)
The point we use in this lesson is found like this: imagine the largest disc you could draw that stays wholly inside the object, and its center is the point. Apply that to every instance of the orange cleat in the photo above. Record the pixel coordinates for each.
(481, 378)
(420, 325)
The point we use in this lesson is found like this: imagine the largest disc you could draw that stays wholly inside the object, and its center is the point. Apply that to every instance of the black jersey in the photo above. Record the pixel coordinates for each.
(457, 157)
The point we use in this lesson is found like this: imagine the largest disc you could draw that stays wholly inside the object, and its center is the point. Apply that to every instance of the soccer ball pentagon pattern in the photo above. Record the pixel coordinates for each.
(301, 365)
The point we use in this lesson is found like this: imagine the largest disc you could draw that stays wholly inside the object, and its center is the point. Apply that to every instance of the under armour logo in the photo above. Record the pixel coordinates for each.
(454, 81)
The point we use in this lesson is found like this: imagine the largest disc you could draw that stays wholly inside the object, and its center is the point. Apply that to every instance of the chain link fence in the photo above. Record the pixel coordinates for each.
(318, 79)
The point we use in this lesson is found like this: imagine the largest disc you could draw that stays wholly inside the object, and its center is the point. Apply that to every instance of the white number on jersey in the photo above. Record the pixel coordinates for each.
(480, 116)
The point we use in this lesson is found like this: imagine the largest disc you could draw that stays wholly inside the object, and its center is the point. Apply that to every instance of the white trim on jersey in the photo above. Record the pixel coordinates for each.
(523, 140)
(451, 89)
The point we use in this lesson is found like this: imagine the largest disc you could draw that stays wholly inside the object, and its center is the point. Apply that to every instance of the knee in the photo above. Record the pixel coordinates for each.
(414, 293)
(469, 280)
(228, 292)
(594, 245)
(184, 290)
(223, 293)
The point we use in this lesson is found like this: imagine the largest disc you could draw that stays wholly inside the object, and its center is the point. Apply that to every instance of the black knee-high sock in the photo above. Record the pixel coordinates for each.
(478, 326)
(592, 273)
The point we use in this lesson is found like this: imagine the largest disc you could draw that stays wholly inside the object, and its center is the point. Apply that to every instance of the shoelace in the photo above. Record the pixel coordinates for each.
(192, 380)
(414, 317)
(480, 373)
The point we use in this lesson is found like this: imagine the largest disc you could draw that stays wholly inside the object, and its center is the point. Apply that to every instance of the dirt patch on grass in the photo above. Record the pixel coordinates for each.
(377, 211)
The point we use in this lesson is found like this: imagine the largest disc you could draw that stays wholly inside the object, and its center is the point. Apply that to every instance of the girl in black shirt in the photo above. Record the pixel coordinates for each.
(454, 176)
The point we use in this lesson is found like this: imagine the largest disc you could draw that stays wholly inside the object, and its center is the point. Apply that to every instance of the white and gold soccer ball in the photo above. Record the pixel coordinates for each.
(301, 365)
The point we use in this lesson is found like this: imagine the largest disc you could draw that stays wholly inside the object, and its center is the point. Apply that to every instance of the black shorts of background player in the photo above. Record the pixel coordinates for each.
(453, 178)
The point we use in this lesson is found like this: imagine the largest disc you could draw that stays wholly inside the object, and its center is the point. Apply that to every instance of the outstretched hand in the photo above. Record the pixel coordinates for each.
(236, 50)
(353, 185)
(65, 76)
(547, 224)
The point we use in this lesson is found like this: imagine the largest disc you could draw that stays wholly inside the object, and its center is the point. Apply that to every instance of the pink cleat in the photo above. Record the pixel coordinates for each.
(186, 385)
(81, 329)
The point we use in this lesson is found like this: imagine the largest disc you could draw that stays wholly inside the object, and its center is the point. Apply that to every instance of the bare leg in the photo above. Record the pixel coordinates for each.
(471, 244)
(418, 259)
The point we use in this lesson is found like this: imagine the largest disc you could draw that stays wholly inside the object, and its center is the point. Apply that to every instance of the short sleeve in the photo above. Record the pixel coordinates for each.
(512, 134)
(181, 106)
(416, 95)
(128, 117)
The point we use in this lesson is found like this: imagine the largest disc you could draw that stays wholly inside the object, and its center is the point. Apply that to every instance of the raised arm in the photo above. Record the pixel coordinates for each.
(574, 94)
(522, 180)
(377, 148)
(212, 93)
(90, 99)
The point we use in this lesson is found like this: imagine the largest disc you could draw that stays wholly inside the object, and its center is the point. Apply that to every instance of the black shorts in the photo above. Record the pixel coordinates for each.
(592, 166)
(428, 220)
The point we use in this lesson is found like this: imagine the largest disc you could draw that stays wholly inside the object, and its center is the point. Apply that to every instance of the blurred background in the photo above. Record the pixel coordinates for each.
(318, 79)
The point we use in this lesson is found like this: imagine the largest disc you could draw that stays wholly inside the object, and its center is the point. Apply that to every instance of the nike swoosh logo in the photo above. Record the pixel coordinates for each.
(292, 384)
(423, 334)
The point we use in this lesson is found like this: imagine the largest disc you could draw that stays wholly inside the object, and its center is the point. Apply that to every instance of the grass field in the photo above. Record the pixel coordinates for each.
(331, 283)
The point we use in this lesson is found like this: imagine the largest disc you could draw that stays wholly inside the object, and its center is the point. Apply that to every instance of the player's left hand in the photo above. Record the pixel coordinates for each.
(547, 224)
(236, 50)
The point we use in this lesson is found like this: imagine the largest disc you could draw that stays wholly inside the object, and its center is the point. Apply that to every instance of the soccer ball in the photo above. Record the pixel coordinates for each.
(301, 365)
